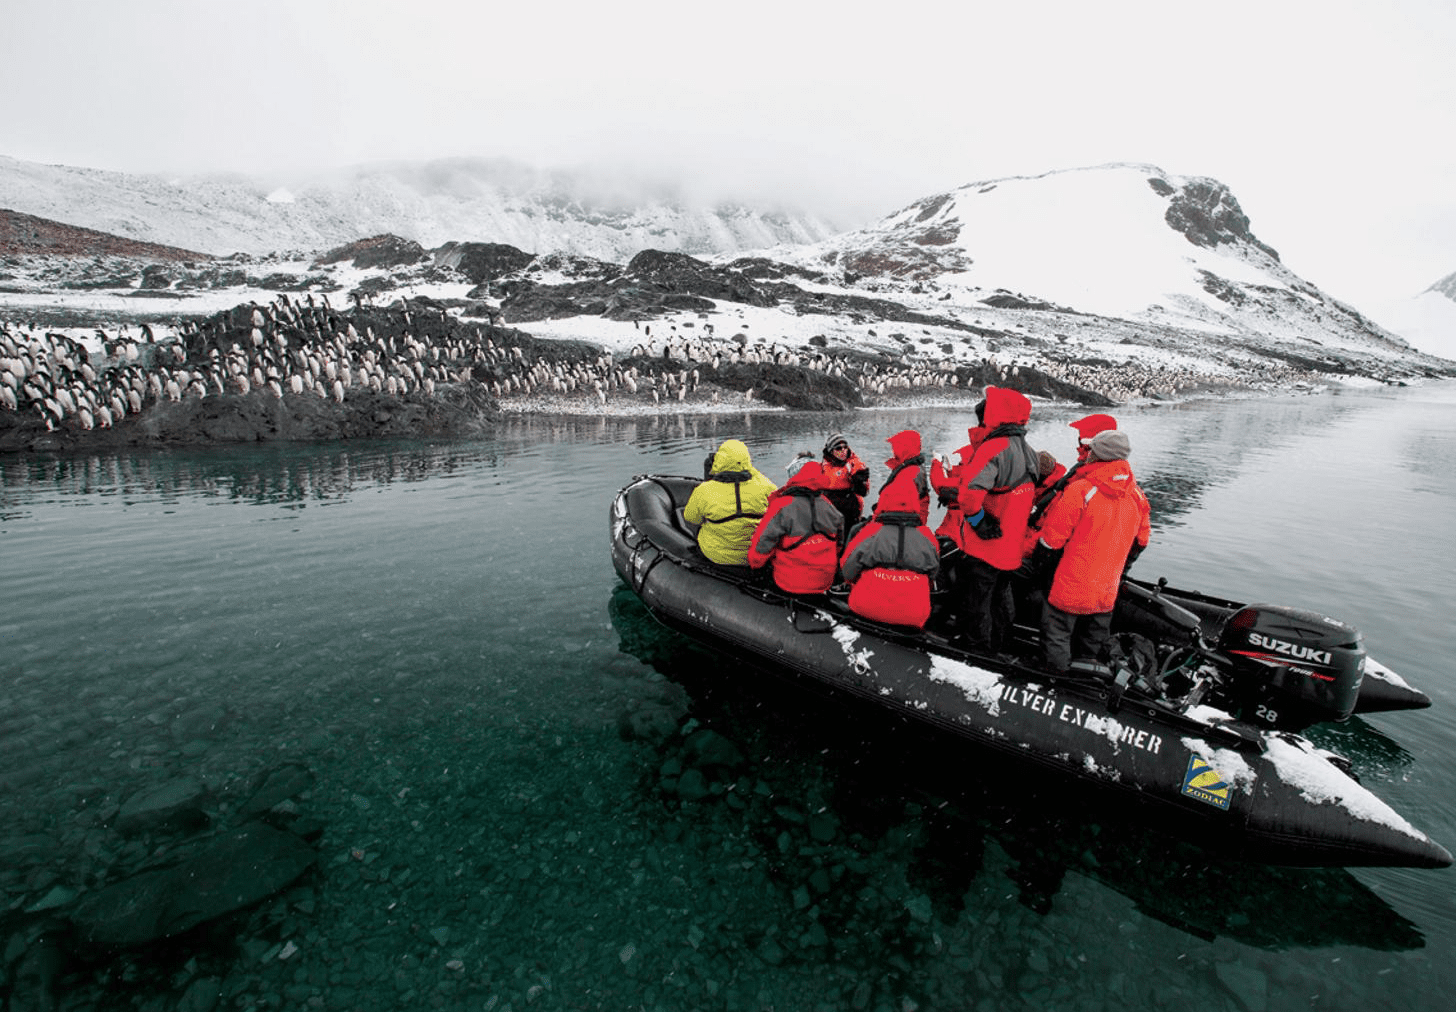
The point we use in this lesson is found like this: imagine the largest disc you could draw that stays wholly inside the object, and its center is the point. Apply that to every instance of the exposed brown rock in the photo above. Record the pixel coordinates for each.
(25, 233)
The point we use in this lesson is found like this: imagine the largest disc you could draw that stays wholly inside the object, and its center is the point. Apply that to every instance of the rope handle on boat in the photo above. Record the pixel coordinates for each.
(642, 542)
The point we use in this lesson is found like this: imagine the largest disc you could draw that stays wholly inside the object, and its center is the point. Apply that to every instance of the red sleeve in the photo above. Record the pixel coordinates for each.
(757, 559)
(942, 480)
(971, 499)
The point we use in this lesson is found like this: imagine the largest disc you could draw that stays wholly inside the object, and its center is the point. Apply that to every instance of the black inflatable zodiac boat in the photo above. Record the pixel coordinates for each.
(1197, 723)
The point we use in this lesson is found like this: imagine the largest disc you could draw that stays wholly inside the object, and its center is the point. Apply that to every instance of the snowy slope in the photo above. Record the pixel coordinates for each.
(1123, 241)
(1094, 240)
(1428, 321)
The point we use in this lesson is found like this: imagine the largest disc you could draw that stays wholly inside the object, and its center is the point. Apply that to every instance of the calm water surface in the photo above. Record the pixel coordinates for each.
(436, 632)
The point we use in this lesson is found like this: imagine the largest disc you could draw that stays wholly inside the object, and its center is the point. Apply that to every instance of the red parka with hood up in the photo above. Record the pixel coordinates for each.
(800, 534)
(891, 561)
(907, 462)
(1001, 478)
(1095, 520)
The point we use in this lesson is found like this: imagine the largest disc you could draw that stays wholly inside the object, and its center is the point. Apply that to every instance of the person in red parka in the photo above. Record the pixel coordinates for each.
(1100, 524)
(846, 479)
(800, 533)
(889, 564)
(907, 459)
(995, 496)
(1048, 489)
(946, 478)
(1087, 428)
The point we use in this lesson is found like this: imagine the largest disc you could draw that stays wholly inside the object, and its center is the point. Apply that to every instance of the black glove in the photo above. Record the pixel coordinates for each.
(708, 465)
(1043, 563)
(948, 496)
(859, 482)
(988, 528)
(1132, 554)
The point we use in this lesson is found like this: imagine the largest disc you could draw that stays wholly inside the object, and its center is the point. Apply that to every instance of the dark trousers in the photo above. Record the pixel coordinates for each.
(847, 503)
(1064, 635)
(988, 606)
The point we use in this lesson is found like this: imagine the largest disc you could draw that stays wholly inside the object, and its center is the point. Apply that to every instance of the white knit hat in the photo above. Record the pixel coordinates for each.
(1110, 445)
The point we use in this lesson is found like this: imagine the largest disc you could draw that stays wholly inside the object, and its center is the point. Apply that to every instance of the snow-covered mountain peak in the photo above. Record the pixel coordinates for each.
(1446, 286)
(1114, 240)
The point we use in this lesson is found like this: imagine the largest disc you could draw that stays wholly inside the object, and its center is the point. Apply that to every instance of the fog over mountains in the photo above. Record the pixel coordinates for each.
(430, 202)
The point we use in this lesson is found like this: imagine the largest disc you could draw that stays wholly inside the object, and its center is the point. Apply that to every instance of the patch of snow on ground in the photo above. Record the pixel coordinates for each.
(759, 326)
(1094, 239)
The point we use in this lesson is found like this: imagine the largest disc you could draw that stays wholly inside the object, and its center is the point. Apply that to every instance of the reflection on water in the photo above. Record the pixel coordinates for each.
(257, 476)
(522, 792)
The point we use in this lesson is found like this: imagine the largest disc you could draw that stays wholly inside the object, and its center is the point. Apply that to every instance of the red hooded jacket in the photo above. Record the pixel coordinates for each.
(890, 562)
(800, 533)
(1095, 521)
(1001, 478)
(907, 463)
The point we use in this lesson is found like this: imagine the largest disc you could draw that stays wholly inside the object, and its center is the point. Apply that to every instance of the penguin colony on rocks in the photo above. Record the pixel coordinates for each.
(304, 348)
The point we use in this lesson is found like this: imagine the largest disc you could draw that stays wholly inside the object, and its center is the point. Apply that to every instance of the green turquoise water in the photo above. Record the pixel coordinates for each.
(434, 630)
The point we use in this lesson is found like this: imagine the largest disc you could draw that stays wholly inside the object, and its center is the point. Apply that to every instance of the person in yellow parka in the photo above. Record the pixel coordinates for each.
(728, 505)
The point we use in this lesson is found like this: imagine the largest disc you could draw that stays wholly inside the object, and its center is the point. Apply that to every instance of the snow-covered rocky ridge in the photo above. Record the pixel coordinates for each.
(429, 202)
(1158, 253)
(1102, 285)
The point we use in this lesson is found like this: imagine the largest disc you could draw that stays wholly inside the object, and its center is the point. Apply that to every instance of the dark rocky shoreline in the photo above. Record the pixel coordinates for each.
(305, 372)
(260, 417)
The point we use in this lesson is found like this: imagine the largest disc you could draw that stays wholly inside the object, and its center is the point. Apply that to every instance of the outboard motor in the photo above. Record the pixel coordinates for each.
(1292, 668)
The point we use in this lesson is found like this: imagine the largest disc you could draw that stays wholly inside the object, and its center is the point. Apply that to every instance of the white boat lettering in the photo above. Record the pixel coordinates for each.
(1088, 720)
(1029, 698)
(1294, 650)
(1145, 740)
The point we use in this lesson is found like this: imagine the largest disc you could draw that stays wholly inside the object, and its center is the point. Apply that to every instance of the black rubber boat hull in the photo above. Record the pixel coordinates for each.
(1274, 797)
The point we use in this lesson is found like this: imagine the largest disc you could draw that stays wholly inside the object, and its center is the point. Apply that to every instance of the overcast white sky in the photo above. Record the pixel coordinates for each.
(1330, 120)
